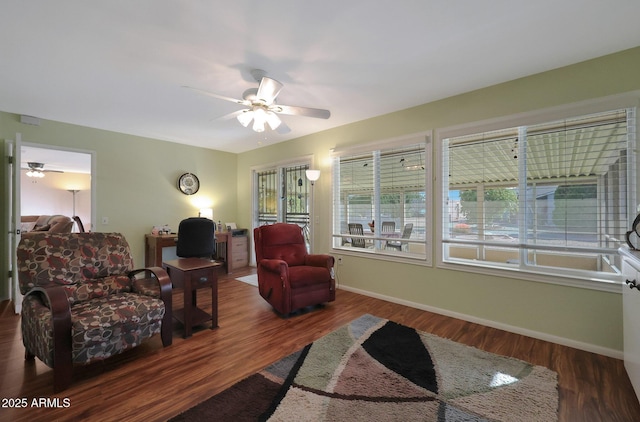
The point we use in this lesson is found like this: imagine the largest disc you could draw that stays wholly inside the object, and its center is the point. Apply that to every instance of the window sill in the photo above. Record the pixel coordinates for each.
(605, 285)
(405, 258)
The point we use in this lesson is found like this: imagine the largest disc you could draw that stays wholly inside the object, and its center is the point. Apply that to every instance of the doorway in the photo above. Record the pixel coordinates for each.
(60, 181)
(56, 182)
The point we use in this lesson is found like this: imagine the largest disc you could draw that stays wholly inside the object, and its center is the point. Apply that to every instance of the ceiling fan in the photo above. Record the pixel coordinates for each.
(37, 170)
(262, 107)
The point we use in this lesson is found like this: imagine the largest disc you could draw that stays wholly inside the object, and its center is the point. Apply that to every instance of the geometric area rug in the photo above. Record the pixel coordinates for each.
(373, 369)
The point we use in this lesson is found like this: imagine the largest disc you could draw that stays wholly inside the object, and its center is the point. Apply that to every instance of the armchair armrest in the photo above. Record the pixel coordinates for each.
(166, 295)
(320, 260)
(57, 301)
(273, 278)
(163, 281)
(277, 266)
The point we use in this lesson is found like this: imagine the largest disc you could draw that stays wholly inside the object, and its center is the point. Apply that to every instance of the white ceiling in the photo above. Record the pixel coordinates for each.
(56, 160)
(119, 65)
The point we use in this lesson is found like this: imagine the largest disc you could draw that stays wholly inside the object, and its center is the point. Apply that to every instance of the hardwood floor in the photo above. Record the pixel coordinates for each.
(153, 383)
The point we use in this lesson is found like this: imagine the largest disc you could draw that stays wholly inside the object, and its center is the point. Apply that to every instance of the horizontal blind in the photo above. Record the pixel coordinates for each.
(576, 190)
(355, 191)
(402, 188)
(563, 186)
(382, 187)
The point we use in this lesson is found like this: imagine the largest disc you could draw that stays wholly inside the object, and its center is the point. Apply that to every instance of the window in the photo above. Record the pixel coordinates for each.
(267, 197)
(284, 195)
(551, 198)
(381, 201)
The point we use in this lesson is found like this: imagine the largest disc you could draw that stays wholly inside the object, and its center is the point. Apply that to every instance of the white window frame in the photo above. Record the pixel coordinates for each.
(377, 253)
(574, 278)
(307, 160)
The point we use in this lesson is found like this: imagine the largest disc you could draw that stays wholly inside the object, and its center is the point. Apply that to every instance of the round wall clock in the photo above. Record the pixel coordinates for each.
(188, 183)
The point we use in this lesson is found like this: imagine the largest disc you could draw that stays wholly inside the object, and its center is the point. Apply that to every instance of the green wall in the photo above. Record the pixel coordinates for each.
(136, 179)
(583, 317)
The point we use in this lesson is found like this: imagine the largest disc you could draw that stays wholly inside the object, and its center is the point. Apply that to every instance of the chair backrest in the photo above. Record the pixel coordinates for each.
(47, 259)
(388, 227)
(79, 223)
(60, 224)
(196, 238)
(406, 232)
(280, 241)
(356, 229)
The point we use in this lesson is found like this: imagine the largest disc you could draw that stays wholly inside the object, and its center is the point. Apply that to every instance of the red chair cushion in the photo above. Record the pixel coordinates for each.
(303, 275)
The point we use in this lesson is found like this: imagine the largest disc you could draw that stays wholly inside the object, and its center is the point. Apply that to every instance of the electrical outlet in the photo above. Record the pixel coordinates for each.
(340, 261)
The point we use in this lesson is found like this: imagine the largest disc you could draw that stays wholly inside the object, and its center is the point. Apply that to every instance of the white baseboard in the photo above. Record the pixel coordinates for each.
(588, 347)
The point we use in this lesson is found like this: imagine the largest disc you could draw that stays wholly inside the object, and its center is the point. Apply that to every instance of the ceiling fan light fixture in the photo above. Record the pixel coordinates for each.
(35, 170)
(259, 119)
(258, 126)
(261, 105)
(273, 120)
(35, 173)
(245, 118)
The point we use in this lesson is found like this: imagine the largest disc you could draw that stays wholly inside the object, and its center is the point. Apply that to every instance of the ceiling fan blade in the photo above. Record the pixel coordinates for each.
(230, 115)
(302, 111)
(283, 128)
(268, 90)
(220, 97)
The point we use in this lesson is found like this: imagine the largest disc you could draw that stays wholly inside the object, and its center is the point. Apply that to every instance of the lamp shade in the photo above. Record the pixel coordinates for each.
(313, 175)
(273, 120)
(245, 118)
(206, 213)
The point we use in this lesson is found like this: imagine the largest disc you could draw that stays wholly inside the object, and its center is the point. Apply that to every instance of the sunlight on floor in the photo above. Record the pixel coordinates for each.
(500, 379)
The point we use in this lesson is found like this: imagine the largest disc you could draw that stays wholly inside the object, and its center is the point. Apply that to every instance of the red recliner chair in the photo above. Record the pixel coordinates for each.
(288, 277)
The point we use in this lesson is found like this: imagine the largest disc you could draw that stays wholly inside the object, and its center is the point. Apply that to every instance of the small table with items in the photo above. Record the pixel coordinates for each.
(191, 274)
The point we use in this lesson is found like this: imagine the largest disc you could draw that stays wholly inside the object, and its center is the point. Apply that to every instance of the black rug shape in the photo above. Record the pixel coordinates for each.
(400, 349)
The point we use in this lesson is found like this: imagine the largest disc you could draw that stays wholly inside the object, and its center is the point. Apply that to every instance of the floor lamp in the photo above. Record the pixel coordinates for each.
(74, 191)
(312, 175)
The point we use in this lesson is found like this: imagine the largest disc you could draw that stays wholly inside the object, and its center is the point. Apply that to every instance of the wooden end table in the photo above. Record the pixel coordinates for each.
(191, 274)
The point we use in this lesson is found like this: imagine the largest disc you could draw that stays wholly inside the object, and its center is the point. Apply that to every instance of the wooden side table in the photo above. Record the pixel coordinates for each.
(191, 274)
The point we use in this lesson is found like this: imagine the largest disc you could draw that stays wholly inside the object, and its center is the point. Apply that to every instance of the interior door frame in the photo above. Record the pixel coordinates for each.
(14, 192)
(12, 154)
(278, 166)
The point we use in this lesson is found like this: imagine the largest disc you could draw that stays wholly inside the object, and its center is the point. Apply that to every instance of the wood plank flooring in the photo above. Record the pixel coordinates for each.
(152, 383)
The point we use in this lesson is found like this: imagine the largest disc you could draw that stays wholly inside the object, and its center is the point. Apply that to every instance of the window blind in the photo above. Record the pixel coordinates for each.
(556, 194)
(383, 192)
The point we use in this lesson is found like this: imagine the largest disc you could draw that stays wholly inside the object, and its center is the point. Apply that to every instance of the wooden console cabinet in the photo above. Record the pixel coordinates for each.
(236, 254)
(233, 250)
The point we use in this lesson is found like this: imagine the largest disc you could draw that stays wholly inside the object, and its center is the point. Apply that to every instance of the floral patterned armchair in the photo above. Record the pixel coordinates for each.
(83, 302)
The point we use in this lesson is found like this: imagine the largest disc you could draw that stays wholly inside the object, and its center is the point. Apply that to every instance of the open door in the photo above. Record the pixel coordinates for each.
(13, 199)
